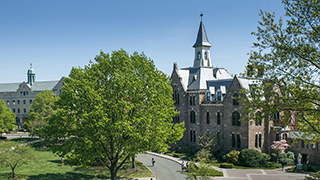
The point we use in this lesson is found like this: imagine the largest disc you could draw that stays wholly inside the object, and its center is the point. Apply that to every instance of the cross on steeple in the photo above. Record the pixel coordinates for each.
(201, 16)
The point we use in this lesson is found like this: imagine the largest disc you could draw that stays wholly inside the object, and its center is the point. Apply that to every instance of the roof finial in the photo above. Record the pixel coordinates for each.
(30, 65)
(201, 16)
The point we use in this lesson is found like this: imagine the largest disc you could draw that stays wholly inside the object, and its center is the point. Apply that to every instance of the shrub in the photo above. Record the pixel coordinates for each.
(3, 138)
(233, 157)
(251, 158)
(289, 162)
(273, 157)
(276, 165)
(203, 155)
(313, 176)
(266, 158)
(226, 165)
(269, 164)
(290, 155)
(221, 156)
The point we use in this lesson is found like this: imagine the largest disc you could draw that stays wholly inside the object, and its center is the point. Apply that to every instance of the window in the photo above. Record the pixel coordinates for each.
(192, 100)
(18, 101)
(199, 56)
(218, 118)
(236, 119)
(14, 110)
(219, 95)
(208, 96)
(260, 140)
(30, 101)
(208, 118)
(233, 140)
(258, 119)
(238, 141)
(256, 141)
(277, 137)
(24, 101)
(176, 97)
(235, 99)
(192, 117)
(302, 144)
(8, 102)
(18, 110)
(176, 119)
(284, 136)
(205, 55)
(24, 110)
(276, 116)
(218, 138)
(192, 136)
(14, 102)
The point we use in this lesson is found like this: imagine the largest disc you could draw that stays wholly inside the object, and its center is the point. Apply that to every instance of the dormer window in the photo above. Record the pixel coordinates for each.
(199, 56)
(208, 96)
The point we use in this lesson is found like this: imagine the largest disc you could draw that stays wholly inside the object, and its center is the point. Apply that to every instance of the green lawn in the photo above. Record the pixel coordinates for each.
(48, 167)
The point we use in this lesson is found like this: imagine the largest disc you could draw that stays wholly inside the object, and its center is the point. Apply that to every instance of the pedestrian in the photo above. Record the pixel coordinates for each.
(182, 166)
(62, 161)
(153, 161)
(283, 163)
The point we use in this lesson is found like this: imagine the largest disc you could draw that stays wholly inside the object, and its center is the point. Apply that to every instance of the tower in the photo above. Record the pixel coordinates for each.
(202, 48)
(31, 75)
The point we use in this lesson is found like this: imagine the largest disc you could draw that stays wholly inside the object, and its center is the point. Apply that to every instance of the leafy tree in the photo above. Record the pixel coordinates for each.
(14, 155)
(251, 158)
(113, 109)
(287, 56)
(7, 117)
(40, 109)
(208, 141)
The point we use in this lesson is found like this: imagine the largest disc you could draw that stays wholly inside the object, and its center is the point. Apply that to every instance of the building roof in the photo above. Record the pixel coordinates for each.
(202, 39)
(36, 86)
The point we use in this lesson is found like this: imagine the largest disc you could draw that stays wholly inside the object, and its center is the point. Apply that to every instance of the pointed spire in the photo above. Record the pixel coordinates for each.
(202, 39)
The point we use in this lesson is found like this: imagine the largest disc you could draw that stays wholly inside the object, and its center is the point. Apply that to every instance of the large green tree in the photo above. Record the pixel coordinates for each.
(7, 117)
(288, 56)
(112, 109)
(40, 109)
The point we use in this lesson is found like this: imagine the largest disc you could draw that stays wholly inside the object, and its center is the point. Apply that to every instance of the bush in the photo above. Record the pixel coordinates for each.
(289, 162)
(290, 155)
(313, 176)
(251, 158)
(203, 155)
(221, 156)
(266, 159)
(233, 157)
(3, 138)
(226, 165)
(273, 157)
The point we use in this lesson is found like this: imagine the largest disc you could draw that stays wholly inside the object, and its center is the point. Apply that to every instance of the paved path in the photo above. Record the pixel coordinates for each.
(164, 168)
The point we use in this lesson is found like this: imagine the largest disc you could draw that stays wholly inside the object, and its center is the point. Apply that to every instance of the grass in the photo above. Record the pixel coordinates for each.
(49, 167)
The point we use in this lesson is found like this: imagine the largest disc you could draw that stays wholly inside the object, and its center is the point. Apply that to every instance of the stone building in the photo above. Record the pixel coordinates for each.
(207, 99)
(19, 96)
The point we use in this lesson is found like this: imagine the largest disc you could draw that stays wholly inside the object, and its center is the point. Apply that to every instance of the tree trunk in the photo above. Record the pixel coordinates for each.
(133, 161)
(113, 171)
(12, 172)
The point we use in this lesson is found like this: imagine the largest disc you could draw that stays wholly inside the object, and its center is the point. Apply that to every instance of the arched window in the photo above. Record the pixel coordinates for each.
(192, 117)
(238, 141)
(277, 137)
(206, 55)
(258, 119)
(236, 119)
(199, 56)
(191, 136)
(233, 140)
(208, 117)
(218, 118)
(235, 99)
(256, 141)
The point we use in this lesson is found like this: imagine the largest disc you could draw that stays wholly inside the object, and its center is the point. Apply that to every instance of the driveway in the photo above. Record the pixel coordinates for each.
(163, 169)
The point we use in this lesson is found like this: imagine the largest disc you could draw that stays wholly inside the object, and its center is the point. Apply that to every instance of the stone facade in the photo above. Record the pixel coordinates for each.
(19, 96)
(206, 98)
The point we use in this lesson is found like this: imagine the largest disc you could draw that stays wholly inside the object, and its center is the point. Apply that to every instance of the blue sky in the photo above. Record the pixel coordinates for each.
(57, 35)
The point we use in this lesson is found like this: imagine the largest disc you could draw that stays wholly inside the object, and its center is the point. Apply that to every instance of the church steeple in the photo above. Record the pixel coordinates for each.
(202, 48)
(31, 75)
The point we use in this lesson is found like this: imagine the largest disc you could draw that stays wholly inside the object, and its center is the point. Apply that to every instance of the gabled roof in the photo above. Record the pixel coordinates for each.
(36, 86)
(202, 39)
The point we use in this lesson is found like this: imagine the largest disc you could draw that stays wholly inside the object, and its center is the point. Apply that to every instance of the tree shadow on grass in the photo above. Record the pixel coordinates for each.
(66, 176)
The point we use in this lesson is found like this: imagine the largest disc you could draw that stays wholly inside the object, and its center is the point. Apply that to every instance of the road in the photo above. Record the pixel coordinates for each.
(9, 136)
(163, 169)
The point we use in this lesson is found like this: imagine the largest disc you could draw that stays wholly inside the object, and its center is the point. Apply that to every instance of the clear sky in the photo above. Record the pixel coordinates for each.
(56, 35)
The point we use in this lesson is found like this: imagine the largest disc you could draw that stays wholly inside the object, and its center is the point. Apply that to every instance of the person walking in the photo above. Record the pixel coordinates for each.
(153, 161)
(182, 166)
(283, 164)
